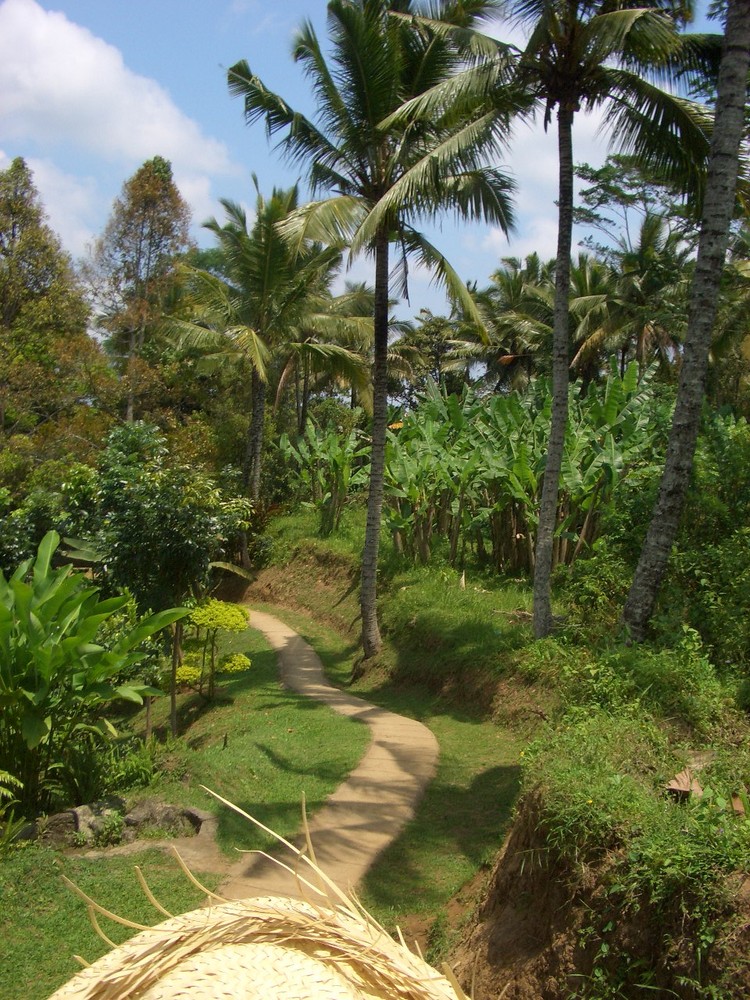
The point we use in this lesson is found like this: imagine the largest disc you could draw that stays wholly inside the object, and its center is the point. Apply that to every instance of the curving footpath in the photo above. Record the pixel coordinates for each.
(365, 813)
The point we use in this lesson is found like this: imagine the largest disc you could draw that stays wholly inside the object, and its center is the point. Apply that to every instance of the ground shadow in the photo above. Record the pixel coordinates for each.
(456, 823)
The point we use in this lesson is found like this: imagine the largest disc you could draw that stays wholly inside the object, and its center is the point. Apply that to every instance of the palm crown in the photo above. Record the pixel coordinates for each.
(383, 175)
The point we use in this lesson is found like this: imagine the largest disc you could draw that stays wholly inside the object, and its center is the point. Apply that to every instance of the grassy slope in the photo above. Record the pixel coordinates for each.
(42, 924)
(446, 649)
(455, 657)
(278, 746)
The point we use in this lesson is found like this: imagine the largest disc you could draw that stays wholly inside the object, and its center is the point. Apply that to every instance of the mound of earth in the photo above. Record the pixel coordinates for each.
(549, 930)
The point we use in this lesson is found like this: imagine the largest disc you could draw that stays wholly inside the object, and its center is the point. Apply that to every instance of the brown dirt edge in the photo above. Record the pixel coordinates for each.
(534, 937)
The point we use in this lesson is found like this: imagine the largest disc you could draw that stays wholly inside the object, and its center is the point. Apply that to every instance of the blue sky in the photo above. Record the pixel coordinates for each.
(89, 89)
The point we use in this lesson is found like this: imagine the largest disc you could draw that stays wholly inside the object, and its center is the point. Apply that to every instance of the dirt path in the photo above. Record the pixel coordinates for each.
(367, 811)
(358, 820)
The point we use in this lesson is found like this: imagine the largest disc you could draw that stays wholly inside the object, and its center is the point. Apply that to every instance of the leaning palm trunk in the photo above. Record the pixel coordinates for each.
(560, 362)
(371, 640)
(717, 215)
(253, 456)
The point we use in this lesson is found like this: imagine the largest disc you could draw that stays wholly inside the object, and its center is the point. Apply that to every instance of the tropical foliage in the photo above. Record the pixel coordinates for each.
(56, 678)
(382, 177)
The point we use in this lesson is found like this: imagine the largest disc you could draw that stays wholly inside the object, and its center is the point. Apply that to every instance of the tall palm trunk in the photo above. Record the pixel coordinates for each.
(560, 363)
(717, 215)
(251, 469)
(130, 401)
(371, 641)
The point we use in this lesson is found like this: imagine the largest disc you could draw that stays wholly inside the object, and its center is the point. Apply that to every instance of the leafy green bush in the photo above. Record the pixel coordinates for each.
(715, 582)
(110, 831)
(215, 616)
(55, 679)
(234, 664)
(129, 764)
(678, 684)
(594, 591)
(189, 672)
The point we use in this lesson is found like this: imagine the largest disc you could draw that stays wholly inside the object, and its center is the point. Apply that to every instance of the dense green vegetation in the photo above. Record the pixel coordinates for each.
(558, 471)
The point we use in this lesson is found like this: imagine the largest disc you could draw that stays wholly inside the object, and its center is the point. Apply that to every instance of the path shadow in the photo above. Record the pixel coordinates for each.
(452, 822)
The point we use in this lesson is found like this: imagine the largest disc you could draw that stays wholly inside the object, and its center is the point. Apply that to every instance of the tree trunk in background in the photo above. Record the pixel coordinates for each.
(717, 215)
(130, 402)
(305, 398)
(560, 379)
(251, 469)
(371, 641)
(176, 660)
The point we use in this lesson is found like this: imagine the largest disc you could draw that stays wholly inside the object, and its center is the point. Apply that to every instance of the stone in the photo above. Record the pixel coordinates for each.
(58, 830)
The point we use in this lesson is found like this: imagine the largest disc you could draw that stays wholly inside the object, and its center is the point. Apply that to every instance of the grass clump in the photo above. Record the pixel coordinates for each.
(662, 864)
(597, 773)
(43, 924)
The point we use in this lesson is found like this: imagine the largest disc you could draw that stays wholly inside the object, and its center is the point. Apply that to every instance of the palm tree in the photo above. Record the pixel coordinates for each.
(582, 55)
(517, 310)
(585, 56)
(634, 306)
(729, 375)
(331, 350)
(255, 298)
(717, 215)
(382, 177)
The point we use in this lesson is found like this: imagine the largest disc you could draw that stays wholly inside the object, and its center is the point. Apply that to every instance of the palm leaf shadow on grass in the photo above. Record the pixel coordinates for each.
(451, 822)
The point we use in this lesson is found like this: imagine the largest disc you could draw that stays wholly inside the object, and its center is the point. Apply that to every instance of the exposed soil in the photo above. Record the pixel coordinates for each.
(316, 581)
(540, 930)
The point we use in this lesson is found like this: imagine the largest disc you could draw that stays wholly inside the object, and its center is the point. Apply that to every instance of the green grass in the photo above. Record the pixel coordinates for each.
(43, 923)
(259, 745)
(465, 811)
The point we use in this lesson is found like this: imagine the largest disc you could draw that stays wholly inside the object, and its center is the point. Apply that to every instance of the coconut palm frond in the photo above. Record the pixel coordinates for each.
(457, 290)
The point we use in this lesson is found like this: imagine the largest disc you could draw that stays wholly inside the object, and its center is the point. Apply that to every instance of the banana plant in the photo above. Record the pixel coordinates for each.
(330, 465)
(55, 678)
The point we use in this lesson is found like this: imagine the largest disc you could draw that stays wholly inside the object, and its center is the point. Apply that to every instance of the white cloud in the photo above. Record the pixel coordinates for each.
(535, 168)
(73, 204)
(62, 84)
(65, 90)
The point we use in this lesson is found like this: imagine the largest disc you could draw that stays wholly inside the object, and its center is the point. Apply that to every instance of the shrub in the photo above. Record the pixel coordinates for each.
(55, 679)
(214, 616)
(130, 764)
(234, 664)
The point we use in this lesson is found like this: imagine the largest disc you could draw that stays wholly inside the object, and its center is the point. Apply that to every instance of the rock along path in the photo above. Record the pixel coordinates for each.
(365, 813)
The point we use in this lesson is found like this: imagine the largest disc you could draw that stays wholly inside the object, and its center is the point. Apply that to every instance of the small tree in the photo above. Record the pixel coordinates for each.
(215, 616)
(133, 262)
(160, 526)
(55, 677)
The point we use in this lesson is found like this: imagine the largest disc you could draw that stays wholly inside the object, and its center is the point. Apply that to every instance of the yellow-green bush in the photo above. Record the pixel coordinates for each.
(220, 615)
(189, 671)
(235, 663)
